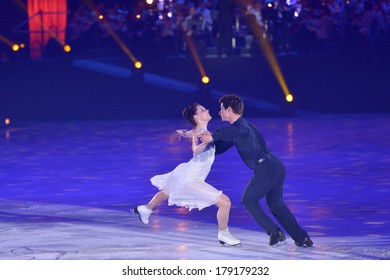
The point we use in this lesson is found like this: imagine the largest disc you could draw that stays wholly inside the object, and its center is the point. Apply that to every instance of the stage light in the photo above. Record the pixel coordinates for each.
(67, 48)
(289, 97)
(269, 54)
(22, 46)
(138, 65)
(196, 57)
(15, 47)
(149, 2)
(100, 17)
(117, 39)
(7, 121)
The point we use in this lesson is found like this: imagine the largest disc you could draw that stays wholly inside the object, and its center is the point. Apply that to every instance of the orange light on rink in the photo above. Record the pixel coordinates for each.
(67, 48)
(289, 98)
(138, 65)
(205, 80)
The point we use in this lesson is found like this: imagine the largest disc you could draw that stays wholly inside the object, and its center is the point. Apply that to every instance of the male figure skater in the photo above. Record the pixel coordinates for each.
(268, 172)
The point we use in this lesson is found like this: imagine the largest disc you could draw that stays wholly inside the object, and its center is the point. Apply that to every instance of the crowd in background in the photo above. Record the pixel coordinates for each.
(229, 27)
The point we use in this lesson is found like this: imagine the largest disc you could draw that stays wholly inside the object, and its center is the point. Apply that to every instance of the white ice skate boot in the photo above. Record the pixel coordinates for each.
(225, 237)
(143, 213)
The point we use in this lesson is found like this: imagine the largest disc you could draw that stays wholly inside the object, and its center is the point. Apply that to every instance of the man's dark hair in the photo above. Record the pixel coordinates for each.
(233, 101)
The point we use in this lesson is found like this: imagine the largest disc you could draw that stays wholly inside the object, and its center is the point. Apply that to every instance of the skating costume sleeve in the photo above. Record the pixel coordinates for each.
(225, 136)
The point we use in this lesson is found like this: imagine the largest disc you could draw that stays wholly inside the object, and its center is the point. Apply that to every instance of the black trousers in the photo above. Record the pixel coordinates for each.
(267, 181)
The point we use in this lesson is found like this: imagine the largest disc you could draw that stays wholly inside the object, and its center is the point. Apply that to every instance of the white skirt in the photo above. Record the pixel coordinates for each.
(186, 186)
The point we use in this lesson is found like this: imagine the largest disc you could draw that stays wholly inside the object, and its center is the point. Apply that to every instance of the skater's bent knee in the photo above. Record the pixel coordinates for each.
(224, 201)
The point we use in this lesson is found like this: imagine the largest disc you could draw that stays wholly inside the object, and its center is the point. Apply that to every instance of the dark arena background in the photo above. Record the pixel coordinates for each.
(90, 92)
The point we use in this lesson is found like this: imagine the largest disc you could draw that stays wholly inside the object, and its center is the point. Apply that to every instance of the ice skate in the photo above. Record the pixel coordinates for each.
(143, 213)
(307, 242)
(276, 237)
(226, 238)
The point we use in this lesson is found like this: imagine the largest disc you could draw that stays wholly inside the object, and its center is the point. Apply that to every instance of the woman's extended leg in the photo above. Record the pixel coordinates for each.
(156, 200)
(224, 205)
(224, 235)
(144, 211)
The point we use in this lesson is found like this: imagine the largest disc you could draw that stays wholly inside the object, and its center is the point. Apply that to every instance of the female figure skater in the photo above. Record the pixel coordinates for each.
(185, 186)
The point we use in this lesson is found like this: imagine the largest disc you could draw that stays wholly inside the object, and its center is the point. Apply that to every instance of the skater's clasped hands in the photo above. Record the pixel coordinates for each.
(206, 137)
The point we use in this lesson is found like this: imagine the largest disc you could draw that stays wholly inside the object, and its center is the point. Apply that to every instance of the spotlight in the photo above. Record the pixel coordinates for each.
(205, 79)
(22, 46)
(7, 121)
(100, 17)
(150, 2)
(289, 97)
(138, 65)
(15, 47)
(67, 48)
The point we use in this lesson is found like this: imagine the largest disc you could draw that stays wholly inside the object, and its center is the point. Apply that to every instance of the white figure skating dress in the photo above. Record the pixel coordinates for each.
(186, 186)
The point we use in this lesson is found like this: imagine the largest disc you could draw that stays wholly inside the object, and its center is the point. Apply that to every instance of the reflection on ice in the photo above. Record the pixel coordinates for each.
(75, 232)
(66, 190)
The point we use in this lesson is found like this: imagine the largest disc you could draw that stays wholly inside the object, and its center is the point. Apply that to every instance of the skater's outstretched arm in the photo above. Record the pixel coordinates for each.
(179, 133)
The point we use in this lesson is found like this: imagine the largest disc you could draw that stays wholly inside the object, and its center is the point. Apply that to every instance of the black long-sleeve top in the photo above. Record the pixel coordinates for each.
(245, 136)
